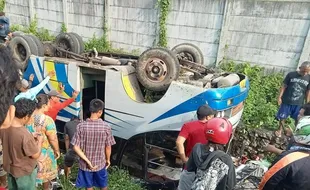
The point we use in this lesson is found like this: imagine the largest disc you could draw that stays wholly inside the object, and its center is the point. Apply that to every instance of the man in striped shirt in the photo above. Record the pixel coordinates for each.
(92, 142)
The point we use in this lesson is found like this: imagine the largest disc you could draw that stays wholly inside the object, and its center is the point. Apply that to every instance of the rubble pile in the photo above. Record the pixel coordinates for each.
(251, 142)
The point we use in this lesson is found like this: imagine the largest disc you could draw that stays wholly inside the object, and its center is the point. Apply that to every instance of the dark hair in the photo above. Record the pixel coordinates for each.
(306, 107)
(201, 117)
(96, 105)
(9, 78)
(42, 99)
(214, 146)
(24, 107)
(74, 118)
(2, 13)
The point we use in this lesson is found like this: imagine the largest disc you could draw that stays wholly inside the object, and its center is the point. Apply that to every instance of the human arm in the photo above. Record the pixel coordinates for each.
(273, 149)
(108, 147)
(66, 103)
(81, 154)
(32, 146)
(283, 87)
(183, 135)
(30, 81)
(51, 133)
(66, 137)
(35, 90)
(76, 141)
(308, 95)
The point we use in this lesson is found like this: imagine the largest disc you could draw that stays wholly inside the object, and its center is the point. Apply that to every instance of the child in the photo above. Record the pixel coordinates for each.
(20, 148)
(92, 142)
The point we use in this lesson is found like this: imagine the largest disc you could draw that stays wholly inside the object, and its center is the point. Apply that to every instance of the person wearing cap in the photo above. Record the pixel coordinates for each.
(32, 92)
(56, 105)
(209, 167)
(27, 84)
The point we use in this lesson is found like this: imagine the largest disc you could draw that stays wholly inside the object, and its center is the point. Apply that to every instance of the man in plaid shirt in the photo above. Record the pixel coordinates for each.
(92, 142)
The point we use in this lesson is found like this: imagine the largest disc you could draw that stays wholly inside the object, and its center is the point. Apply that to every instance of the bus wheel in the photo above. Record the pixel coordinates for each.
(38, 44)
(21, 51)
(80, 40)
(68, 42)
(157, 68)
(189, 52)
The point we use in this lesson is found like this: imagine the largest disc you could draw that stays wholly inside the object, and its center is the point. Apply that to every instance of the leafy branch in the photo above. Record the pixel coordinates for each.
(164, 7)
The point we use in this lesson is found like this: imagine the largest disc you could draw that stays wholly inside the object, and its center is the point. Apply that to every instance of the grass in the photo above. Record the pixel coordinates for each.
(118, 179)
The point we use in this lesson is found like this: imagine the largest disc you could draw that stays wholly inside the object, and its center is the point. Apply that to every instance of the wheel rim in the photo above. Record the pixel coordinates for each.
(64, 44)
(186, 56)
(22, 53)
(156, 69)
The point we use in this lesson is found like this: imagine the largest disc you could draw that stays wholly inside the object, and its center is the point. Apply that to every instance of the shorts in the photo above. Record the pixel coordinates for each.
(70, 158)
(87, 179)
(286, 110)
(27, 182)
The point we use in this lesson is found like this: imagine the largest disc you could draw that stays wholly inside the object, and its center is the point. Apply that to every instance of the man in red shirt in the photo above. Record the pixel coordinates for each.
(193, 132)
(56, 105)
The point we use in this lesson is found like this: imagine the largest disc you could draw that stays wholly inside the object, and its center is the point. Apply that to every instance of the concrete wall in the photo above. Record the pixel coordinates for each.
(270, 33)
(18, 11)
(86, 17)
(133, 24)
(49, 14)
(198, 22)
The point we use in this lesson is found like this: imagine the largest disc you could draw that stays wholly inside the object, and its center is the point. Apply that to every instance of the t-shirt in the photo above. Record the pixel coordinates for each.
(297, 85)
(18, 145)
(70, 129)
(194, 133)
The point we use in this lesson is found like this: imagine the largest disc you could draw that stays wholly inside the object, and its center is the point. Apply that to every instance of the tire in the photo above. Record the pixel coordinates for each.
(38, 44)
(189, 52)
(49, 49)
(68, 42)
(21, 51)
(80, 40)
(33, 46)
(162, 64)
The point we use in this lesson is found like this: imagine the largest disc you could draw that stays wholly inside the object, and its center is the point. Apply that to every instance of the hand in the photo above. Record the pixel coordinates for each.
(61, 86)
(91, 167)
(107, 164)
(35, 134)
(39, 138)
(31, 77)
(185, 160)
(279, 101)
(75, 94)
(51, 74)
(57, 154)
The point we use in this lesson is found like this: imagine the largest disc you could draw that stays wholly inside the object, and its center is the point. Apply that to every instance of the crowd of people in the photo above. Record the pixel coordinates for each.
(207, 166)
(29, 144)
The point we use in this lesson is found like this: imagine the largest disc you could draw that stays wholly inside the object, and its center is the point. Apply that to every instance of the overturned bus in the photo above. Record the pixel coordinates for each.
(145, 131)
